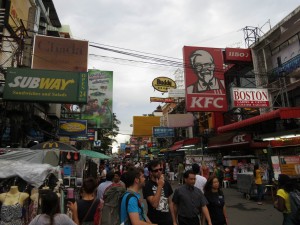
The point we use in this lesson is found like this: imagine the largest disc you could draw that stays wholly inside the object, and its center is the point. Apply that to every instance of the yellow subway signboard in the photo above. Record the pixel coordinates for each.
(45, 86)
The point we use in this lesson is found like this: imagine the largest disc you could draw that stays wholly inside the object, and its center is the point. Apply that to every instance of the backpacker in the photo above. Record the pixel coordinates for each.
(111, 208)
(295, 206)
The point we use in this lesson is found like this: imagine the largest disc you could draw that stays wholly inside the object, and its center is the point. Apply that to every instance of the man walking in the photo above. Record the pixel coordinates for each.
(189, 202)
(200, 180)
(103, 186)
(180, 170)
(132, 208)
(157, 192)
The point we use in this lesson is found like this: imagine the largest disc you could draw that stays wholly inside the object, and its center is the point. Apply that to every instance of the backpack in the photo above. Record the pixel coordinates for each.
(295, 206)
(98, 213)
(112, 197)
(127, 220)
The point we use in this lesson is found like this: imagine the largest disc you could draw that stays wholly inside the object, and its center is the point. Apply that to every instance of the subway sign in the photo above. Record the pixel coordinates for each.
(45, 86)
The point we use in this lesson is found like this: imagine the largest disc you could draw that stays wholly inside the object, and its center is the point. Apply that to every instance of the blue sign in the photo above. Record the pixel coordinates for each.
(122, 146)
(160, 132)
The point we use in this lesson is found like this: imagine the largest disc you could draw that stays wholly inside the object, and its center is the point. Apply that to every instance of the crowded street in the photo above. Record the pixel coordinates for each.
(129, 112)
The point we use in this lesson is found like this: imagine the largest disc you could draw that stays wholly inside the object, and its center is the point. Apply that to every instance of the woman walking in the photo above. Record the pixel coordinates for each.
(258, 182)
(282, 203)
(215, 198)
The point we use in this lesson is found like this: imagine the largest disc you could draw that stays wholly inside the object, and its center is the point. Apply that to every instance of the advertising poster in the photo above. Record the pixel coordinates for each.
(204, 79)
(290, 165)
(98, 110)
(276, 166)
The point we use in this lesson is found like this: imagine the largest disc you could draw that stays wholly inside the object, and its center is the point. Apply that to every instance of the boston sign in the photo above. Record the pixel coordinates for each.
(45, 86)
(250, 97)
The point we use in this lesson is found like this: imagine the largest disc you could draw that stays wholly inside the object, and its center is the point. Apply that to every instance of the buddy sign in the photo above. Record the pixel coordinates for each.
(163, 84)
(45, 86)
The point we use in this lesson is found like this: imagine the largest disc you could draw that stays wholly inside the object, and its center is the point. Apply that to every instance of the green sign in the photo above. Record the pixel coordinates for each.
(45, 86)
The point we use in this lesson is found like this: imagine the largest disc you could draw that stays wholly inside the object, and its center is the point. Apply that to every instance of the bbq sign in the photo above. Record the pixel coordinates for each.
(250, 98)
(163, 84)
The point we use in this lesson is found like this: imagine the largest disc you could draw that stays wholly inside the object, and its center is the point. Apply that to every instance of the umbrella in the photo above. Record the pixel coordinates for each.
(54, 145)
(94, 154)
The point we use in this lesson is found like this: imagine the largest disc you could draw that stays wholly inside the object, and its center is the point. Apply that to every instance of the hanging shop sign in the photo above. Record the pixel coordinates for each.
(238, 54)
(250, 97)
(72, 127)
(45, 86)
(64, 54)
(176, 93)
(163, 84)
(165, 100)
(160, 132)
(204, 79)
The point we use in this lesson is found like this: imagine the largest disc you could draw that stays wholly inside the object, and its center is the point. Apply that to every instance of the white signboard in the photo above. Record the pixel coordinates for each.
(250, 97)
(176, 93)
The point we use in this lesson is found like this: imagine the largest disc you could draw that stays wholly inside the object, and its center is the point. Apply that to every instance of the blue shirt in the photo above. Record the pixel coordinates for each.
(133, 207)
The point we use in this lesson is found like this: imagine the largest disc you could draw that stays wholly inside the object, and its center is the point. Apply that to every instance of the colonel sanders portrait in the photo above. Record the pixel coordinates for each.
(203, 66)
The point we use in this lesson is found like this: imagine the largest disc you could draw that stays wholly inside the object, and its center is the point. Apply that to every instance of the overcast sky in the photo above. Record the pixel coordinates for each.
(160, 27)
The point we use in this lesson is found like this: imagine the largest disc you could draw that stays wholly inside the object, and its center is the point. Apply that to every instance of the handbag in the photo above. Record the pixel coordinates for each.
(88, 212)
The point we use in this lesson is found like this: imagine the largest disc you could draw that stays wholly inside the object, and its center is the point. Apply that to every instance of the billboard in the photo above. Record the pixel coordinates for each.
(53, 53)
(204, 79)
(98, 110)
(250, 97)
(72, 127)
(238, 55)
(163, 84)
(142, 125)
(160, 132)
(180, 120)
(18, 11)
(45, 86)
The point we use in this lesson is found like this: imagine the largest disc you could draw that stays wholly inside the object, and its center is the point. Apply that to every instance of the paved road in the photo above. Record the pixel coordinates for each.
(247, 212)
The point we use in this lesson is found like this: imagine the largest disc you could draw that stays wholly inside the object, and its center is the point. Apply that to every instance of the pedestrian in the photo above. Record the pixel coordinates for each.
(282, 203)
(171, 173)
(133, 212)
(103, 173)
(117, 179)
(190, 202)
(146, 172)
(200, 180)
(216, 202)
(157, 193)
(50, 212)
(104, 185)
(205, 170)
(180, 170)
(84, 209)
(218, 172)
(257, 173)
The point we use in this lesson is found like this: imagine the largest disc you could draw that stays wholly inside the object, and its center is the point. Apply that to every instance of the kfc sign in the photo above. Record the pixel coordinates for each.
(250, 98)
(238, 54)
(204, 79)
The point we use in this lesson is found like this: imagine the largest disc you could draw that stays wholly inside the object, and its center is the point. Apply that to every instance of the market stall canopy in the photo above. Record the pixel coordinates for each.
(54, 145)
(94, 154)
(32, 173)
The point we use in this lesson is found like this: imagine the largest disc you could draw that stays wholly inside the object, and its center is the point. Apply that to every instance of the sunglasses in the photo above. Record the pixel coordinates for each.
(156, 170)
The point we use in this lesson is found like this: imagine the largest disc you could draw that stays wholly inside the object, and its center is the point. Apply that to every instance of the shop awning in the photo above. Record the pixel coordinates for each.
(229, 140)
(179, 144)
(282, 113)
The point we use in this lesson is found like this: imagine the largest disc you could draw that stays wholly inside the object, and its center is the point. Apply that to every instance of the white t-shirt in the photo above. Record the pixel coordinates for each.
(59, 219)
(200, 182)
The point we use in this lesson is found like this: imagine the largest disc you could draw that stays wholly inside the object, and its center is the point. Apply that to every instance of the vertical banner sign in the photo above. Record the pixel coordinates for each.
(98, 110)
(204, 79)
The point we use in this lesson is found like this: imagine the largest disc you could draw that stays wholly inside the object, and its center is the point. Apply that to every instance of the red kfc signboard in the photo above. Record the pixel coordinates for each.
(238, 54)
(204, 79)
